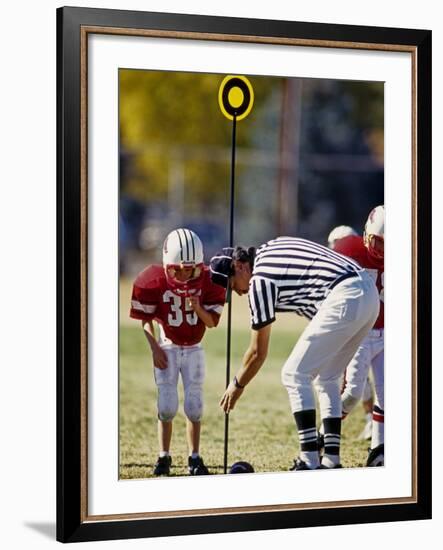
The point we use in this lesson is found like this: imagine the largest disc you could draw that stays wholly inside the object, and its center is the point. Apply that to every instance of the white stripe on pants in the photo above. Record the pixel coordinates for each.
(328, 344)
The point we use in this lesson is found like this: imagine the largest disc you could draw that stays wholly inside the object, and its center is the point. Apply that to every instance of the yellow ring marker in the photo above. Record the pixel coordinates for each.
(235, 97)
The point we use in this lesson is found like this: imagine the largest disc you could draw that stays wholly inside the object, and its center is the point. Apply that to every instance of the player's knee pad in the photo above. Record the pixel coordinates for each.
(167, 402)
(193, 404)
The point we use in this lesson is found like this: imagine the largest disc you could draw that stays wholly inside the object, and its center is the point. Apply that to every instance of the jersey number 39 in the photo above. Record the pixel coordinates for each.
(178, 315)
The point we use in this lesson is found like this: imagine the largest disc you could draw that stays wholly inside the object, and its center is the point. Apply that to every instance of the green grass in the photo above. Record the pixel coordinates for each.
(261, 428)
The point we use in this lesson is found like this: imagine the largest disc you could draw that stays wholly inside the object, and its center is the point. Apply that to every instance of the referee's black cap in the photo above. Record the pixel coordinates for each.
(221, 267)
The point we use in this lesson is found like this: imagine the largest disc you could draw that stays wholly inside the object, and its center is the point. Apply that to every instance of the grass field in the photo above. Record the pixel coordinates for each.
(261, 428)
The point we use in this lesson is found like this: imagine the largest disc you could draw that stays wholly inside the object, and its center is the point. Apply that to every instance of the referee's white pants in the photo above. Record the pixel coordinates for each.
(328, 344)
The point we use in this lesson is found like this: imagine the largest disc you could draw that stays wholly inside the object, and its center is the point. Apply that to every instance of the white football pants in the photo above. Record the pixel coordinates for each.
(328, 344)
(190, 363)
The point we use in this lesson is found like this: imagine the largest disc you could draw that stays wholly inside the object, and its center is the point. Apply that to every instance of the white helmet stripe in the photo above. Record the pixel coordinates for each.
(193, 245)
(187, 245)
(181, 245)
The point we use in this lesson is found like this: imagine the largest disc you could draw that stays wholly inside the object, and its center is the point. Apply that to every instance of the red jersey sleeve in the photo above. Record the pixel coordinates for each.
(145, 296)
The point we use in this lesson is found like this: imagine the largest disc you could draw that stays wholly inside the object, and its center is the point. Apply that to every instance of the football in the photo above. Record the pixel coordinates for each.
(241, 468)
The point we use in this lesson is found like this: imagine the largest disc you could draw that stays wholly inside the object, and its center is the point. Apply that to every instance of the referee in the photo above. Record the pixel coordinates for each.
(341, 301)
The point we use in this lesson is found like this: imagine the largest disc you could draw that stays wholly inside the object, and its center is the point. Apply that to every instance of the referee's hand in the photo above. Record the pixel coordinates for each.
(230, 397)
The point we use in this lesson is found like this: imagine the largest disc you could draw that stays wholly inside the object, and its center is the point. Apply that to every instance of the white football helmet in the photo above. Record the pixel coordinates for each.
(340, 232)
(374, 234)
(182, 248)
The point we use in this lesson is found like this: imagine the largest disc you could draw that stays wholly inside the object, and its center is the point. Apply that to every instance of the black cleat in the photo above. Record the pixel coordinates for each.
(299, 464)
(197, 467)
(320, 442)
(376, 457)
(162, 466)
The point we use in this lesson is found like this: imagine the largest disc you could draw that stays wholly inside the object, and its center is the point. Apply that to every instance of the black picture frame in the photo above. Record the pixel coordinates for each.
(72, 520)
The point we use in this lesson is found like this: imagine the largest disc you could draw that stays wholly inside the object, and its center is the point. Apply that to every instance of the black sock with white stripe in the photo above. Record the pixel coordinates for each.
(307, 433)
(332, 427)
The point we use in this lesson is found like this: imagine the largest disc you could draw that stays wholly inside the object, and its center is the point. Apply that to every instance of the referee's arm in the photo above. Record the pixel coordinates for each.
(255, 355)
(252, 361)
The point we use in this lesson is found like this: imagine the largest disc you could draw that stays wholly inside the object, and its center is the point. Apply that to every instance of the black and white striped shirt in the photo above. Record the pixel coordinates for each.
(292, 274)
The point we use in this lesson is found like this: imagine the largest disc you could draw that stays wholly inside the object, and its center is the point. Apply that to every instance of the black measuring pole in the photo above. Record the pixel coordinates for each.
(231, 213)
(229, 292)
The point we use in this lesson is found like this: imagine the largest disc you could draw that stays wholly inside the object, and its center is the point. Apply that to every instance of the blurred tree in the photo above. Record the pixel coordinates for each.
(167, 116)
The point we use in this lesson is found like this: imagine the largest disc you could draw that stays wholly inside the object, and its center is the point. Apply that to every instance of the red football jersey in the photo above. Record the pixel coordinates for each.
(154, 299)
(353, 246)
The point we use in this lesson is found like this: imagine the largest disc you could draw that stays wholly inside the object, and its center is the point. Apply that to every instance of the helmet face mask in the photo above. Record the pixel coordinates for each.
(375, 245)
(182, 258)
(182, 274)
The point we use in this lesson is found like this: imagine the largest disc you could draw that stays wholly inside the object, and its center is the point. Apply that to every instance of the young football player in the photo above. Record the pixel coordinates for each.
(368, 251)
(338, 233)
(181, 298)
